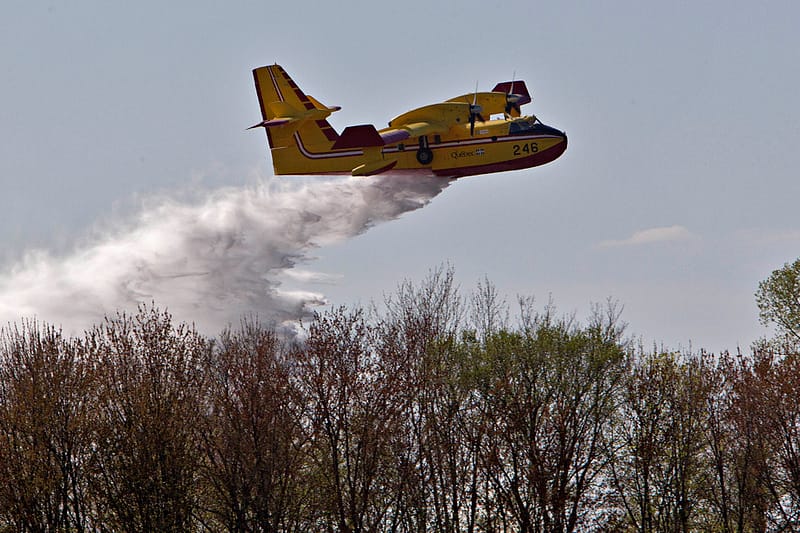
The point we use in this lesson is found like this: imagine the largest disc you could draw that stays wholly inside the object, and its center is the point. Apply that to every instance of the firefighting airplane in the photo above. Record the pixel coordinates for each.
(451, 139)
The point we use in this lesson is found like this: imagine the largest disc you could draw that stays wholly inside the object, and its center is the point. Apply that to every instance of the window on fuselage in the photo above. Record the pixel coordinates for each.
(520, 126)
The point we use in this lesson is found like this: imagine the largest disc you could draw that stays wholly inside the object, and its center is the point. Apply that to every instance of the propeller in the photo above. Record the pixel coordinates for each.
(512, 100)
(474, 111)
(512, 103)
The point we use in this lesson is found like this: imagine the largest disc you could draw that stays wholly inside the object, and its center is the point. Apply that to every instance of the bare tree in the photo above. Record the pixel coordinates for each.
(552, 391)
(657, 466)
(448, 433)
(353, 416)
(739, 442)
(46, 392)
(488, 311)
(777, 384)
(425, 313)
(253, 439)
(149, 403)
(437, 415)
(439, 453)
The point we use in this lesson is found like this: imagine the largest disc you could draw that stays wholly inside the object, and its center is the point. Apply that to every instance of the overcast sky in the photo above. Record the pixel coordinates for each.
(677, 195)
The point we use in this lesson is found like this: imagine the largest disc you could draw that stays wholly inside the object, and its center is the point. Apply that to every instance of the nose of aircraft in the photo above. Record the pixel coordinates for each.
(559, 148)
(556, 133)
(549, 130)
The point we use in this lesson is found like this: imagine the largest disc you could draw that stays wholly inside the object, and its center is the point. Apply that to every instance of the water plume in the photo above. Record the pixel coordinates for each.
(210, 261)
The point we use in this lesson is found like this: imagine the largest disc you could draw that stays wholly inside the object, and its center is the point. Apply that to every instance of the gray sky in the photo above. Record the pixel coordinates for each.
(677, 193)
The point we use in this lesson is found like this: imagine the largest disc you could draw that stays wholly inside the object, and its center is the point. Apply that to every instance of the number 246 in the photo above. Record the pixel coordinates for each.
(530, 148)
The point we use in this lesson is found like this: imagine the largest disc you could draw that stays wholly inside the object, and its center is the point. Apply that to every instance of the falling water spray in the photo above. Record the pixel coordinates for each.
(211, 261)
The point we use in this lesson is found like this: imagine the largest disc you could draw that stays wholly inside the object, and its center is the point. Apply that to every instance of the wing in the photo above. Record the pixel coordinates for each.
(491, 103)
(428, 120)
(505, 98)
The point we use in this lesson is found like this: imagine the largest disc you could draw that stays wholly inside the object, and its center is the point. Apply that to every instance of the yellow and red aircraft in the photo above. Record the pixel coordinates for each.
(450, 139)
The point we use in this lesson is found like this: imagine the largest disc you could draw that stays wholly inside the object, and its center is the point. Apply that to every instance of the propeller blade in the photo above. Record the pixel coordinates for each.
(511, 98)
(474, 111)
(511, 104)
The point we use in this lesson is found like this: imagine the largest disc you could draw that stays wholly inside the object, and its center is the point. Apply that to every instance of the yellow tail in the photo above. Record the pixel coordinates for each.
(293, 121)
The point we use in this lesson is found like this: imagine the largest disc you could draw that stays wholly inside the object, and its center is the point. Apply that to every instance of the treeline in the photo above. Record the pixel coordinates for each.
(438, 414)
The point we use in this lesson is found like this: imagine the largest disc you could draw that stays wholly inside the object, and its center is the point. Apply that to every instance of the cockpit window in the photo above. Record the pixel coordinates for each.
(522, 126)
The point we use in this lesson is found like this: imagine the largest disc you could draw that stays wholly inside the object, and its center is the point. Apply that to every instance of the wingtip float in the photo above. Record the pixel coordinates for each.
(453, 139)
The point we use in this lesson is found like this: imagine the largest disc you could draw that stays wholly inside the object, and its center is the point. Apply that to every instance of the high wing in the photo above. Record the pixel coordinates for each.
(427, 120)
(490, 103)
(506, 98)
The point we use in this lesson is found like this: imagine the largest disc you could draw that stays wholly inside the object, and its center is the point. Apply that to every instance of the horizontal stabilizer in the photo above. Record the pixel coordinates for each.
(284, 113)
(321, 106)
(358, 137)
(271, 123)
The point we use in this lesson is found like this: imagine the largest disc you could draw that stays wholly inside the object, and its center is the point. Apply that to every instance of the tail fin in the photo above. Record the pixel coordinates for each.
(288, 112)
